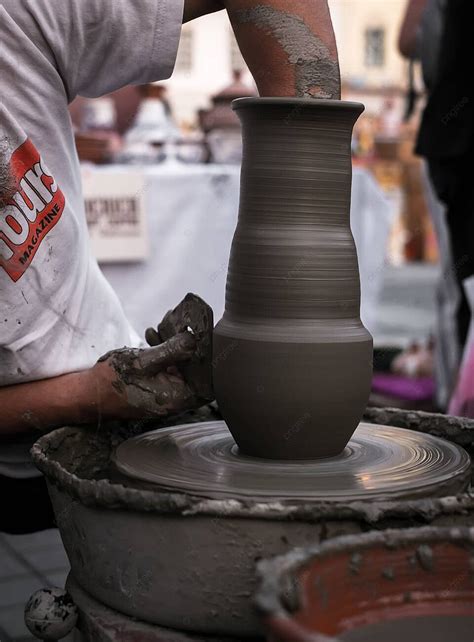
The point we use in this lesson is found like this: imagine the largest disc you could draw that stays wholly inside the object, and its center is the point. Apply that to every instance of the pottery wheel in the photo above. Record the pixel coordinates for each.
(379, 462)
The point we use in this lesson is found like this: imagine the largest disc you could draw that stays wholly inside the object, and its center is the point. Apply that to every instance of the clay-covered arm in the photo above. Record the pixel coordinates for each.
(126, 384)
(173, 375)
(289, 45)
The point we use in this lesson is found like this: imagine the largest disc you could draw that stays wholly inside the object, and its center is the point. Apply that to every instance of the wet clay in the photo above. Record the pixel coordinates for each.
(292, 360)
(183, 340)
(316, 73)
(424, 629)
(142, 375)
(78, 460)
(380, 462)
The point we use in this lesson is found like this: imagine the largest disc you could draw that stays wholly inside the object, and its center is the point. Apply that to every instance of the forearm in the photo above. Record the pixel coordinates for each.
(42, 405)
(290, 47)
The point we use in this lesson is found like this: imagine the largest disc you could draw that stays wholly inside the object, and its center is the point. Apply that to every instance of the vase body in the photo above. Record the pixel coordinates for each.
(292, 361)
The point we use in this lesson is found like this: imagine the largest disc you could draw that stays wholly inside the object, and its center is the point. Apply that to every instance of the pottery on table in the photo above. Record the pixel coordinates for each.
(292, 360)
(415, 584)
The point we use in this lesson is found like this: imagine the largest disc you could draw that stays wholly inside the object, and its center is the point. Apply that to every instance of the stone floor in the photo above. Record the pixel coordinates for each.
(30, 562)
(27, 563)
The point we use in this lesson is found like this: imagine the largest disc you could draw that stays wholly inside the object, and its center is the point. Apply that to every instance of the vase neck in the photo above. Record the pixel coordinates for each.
(296, 163)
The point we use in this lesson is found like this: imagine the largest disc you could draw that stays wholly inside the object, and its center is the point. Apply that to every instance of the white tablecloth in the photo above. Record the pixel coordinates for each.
(192, 214)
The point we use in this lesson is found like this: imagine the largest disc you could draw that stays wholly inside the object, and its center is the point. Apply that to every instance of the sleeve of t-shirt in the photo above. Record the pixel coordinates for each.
(99, 46)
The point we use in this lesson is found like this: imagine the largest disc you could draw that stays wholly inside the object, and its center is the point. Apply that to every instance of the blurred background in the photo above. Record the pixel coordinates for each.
(161, 181)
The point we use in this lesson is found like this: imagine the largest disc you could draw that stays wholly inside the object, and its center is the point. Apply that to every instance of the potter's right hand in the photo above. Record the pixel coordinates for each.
(173, 375)
(137, 383)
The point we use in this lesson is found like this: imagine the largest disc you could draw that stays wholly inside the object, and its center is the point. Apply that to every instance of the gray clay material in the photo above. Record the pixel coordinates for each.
(380, 462)
(292, 360)
(317, 75)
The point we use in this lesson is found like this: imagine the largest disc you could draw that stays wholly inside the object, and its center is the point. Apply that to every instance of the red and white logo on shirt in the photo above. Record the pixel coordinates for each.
(31, 213)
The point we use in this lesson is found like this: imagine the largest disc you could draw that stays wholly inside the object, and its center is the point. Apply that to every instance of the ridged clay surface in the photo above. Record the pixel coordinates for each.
(292, 360)
(380, 462)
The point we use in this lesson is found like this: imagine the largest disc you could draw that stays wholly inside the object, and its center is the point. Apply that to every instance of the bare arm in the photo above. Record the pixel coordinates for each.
(76, 398)
(128, 384)
(408, 32)
(173, 375)
(289, 47)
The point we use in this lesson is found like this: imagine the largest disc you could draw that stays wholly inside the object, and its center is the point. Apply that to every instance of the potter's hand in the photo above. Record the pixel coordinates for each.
(195, 316)
(172, 376)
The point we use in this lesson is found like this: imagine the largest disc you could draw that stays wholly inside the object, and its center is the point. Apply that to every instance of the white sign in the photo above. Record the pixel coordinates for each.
(116, 216)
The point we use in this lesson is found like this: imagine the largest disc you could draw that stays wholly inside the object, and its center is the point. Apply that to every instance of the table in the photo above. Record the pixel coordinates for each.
(192, 213)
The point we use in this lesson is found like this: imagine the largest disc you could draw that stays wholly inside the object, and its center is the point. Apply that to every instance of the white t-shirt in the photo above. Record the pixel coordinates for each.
(57, 312)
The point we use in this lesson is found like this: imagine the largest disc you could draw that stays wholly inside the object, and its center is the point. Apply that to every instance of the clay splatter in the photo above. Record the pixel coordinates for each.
(355, 563)
(424, 555)
(388, 573)
(317, 74)
(7, 181)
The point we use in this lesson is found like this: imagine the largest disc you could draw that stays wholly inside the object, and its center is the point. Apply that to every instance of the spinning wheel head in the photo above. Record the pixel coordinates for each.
(380, 462)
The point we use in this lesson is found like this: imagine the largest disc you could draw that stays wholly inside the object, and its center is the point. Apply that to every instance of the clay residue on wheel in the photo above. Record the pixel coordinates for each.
(316, 73)
(78, 461)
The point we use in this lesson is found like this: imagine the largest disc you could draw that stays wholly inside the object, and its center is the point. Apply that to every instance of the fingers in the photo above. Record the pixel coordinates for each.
(174, 395)
(159, 396)
(192, 313)
(179, 348)
(152, 337)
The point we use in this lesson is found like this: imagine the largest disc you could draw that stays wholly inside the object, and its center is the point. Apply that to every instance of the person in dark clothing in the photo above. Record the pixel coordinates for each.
(446, 140)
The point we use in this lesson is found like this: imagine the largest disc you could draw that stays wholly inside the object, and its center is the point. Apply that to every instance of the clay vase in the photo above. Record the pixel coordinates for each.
(292, 361)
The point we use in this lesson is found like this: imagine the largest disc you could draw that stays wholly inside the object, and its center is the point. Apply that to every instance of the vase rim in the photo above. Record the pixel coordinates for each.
(289, 101)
